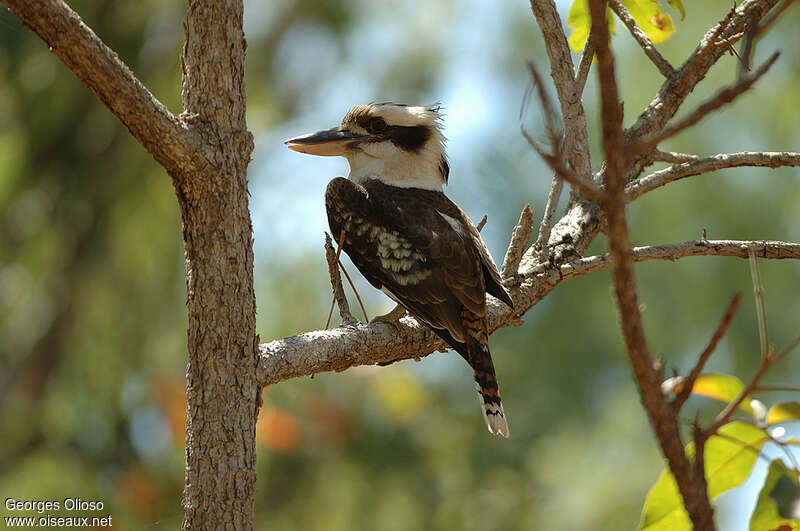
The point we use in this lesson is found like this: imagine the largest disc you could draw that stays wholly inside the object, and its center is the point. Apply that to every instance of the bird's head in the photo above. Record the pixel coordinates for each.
(401, 145)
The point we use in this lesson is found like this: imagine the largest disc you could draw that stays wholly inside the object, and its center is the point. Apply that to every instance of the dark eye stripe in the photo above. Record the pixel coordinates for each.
(408, 138)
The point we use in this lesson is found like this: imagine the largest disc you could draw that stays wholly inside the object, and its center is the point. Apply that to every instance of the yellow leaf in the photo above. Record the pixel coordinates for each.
(722, 387)
(649, 17)
(785, 412)
(579, 20)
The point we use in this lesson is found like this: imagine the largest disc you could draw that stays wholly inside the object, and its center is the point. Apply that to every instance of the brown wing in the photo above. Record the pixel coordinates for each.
(399, 240)
(491, 276)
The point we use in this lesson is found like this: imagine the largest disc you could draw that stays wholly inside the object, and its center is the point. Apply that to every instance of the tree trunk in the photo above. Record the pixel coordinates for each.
(222, 390)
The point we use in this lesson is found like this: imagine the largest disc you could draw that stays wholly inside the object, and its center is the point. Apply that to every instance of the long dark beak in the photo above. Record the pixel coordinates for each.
(329, 143)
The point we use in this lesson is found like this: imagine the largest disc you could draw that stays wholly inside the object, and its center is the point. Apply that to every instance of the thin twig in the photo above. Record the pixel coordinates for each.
(582, 71)
(355, 291)
(747, 49)
(330, 314)
(672, 156)
(787, 451)
(724, 416)
(641, 37)
(761, 313)
(547, 105)
(698, 166)
(786, 350)
(724, 96)
(738, 248)
(688, 383)
(621, 256)
(768, 358)
(519, 239)
(546, 226)
(482, 223)
(729, 42)
(332, 257)
(583, 187)
(710, 40)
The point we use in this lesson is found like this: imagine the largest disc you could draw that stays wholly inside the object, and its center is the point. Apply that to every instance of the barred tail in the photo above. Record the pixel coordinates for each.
(486, 381)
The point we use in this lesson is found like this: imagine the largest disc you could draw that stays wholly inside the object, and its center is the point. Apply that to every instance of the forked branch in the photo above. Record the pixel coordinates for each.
(171, 142)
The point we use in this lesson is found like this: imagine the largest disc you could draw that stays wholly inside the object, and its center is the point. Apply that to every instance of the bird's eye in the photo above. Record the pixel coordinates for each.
(376, 125)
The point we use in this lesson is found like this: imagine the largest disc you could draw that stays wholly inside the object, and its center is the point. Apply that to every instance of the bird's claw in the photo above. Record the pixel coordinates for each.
(392, 318)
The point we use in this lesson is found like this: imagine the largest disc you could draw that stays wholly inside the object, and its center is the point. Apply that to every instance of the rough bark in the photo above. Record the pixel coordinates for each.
(222, 391)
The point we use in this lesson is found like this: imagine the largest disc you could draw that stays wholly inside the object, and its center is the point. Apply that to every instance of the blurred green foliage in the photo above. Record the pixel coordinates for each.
(92, 315)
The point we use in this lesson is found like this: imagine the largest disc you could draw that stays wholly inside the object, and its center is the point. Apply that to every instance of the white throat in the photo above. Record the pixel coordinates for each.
(386, 162)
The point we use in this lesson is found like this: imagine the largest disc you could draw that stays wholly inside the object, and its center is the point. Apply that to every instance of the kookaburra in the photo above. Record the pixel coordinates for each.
(406, 237)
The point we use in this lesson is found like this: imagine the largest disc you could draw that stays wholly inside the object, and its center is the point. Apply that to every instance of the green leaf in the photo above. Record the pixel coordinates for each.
(729, 458)
(722, 387)
(779, 497)
(784, 412)
(677, 4)
(654, 22)
(579, 20)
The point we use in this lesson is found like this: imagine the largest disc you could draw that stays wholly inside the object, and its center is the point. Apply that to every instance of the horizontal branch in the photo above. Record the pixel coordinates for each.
(161, 133)
(769, 159)
(738, 248)
(377, 343)
(671, 156)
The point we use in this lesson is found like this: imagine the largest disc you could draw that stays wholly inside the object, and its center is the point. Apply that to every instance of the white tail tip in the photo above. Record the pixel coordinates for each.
(495, 417)
(497, 425)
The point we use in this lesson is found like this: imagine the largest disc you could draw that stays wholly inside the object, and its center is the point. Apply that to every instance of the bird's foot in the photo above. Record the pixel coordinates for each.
(392, 318)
